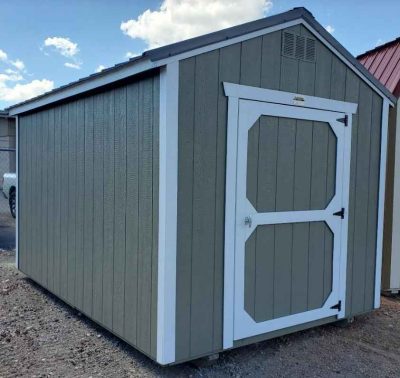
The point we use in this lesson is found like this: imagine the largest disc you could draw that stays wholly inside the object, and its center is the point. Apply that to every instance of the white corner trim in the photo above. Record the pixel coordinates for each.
(287, 98)
(17, 192)
(168, 193)
(381, 202)
(394, 282)
(346, 206)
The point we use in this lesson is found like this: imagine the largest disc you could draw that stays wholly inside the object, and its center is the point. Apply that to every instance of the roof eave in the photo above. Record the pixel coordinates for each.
(106, 77)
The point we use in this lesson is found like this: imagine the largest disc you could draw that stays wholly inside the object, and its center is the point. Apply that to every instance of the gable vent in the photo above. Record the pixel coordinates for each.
(298, 47)
(310, 50)
(288, 44)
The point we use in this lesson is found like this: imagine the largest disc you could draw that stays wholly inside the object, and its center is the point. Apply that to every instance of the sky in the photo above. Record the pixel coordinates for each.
(48, 43)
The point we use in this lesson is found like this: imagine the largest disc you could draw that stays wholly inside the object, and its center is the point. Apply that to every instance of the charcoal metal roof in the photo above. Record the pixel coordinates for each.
(384, 63)
(150, 58)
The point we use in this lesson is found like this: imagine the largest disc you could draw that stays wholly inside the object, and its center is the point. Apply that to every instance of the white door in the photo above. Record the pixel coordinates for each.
(290, 232)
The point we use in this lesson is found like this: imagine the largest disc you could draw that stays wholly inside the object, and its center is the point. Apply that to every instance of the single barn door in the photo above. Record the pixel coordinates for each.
(290, 216)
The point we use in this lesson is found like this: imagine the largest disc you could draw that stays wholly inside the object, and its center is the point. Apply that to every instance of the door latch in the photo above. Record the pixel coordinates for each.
(248, 221)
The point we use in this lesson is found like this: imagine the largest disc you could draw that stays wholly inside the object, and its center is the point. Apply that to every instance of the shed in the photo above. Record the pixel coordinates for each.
(211, 193)
(384, 63)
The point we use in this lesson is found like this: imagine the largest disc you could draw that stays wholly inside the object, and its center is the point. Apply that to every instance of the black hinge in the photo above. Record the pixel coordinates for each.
(337, 306)
(344, 120)
(340, 213)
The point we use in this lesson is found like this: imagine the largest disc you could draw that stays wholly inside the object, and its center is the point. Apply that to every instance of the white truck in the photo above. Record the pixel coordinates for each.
(10, 190)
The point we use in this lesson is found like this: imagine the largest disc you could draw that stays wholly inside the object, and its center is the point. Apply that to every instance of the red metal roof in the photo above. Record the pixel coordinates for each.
(384, 63)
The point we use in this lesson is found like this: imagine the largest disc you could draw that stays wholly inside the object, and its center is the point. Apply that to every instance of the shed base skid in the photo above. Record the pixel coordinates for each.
(345, 322)
(390, 293)
(206, 361)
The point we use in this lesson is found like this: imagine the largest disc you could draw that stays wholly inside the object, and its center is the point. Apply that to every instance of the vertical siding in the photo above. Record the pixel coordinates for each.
(119, 208)
(98, 214)
(201, 198)
(108, 224)
(89, 206)
(72, 195)
(80, 201)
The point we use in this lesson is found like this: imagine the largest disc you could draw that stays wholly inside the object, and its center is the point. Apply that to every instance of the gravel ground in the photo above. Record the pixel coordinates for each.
(40, 337)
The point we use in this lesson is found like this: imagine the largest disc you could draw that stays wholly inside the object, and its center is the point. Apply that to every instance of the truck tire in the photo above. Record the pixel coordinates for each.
(12, 202)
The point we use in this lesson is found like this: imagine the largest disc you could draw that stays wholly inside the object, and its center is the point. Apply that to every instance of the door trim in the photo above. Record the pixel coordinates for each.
(234, 92)
(245, 92)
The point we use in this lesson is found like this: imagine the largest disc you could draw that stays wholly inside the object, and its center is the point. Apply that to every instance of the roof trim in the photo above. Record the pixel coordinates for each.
(338, 49)
(112, 75)
(163, 55)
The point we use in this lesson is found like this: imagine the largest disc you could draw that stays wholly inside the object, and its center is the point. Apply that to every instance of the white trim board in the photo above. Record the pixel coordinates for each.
(394, 280)
(230, 223)
(168, 197)
(381, 202)
(16, 192)
(145, 65)
(279, 97)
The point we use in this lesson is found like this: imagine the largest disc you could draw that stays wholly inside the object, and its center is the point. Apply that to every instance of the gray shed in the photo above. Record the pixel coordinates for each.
(211, 193)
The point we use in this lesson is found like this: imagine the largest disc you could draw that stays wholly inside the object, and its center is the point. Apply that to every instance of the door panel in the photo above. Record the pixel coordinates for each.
(291, 164)
(288, 269)
(288, 252)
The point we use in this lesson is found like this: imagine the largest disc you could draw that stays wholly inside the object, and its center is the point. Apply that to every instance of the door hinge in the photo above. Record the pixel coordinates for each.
(340, 213)
(337, 306)
(344, 120)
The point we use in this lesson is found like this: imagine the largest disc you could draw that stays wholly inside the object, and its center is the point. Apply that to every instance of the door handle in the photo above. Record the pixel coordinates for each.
(248, 221)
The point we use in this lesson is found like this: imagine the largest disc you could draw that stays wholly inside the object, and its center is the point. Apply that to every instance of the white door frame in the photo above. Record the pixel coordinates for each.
(235, 93)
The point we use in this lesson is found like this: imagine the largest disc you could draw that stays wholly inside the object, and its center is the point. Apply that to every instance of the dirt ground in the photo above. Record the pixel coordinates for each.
(40, 336)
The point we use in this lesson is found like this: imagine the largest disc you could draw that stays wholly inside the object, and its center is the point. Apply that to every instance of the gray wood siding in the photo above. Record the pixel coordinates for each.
(89, 206)
(201, 181)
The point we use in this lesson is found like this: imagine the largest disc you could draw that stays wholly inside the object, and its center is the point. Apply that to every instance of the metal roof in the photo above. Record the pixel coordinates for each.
(153, 58)
(384, 63)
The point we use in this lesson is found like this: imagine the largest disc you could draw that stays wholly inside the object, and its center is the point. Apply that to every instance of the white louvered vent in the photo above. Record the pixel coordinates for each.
(288, 44)
(298, 47)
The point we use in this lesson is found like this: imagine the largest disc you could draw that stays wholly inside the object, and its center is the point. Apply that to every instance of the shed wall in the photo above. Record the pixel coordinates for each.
(201, 175)
(88, 206)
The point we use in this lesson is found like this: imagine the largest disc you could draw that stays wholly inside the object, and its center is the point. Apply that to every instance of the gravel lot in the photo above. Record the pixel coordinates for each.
(40, 337)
